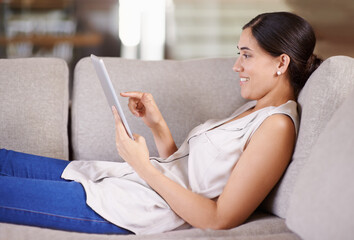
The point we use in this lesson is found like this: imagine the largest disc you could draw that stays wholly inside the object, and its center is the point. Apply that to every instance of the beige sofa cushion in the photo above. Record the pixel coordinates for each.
(34, 106)
(259, 227)
(322, 202)
(187, 93)
(324, 92)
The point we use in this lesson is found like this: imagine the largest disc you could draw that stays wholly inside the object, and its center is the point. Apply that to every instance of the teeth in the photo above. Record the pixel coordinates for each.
(244, 79)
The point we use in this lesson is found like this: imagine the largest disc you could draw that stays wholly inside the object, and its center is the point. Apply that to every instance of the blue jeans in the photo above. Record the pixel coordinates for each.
(32, 192)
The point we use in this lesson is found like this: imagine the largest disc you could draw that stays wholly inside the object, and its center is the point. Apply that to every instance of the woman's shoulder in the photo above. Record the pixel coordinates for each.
(284, 112)
(290, 105)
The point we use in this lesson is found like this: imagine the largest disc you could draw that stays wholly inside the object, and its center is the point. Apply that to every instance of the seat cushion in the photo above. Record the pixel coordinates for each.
(187, 93)
(34, 106)
(260, 226)
(321, 206)
(323, 93)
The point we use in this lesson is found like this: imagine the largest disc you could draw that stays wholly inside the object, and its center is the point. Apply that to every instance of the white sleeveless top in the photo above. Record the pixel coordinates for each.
(202, 164)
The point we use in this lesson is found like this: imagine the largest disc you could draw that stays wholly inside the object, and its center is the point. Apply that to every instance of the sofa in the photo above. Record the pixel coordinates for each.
(46, 111)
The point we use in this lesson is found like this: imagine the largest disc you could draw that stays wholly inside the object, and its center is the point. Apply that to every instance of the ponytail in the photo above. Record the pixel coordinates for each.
(312, 64)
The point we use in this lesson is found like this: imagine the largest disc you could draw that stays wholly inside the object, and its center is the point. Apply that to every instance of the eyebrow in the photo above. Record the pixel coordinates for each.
(244, 48)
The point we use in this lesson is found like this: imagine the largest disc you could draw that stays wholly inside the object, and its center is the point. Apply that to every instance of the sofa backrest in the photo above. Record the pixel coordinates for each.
(323, 94)
(187, 93)
(34, 106)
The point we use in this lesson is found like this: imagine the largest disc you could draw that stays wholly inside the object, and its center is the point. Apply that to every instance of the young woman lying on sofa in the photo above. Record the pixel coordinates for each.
(215, 180)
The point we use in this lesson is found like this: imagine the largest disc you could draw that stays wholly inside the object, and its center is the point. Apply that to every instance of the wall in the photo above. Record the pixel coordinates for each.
(211, 28)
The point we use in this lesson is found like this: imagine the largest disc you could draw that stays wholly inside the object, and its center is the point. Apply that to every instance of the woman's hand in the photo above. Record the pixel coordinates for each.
(134, 152)
(143, 105)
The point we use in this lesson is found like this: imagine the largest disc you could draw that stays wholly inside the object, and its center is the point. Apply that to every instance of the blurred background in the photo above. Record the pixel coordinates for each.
(157, 29)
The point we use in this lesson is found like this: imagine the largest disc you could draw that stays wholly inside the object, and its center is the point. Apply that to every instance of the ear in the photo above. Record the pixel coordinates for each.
(284, 61)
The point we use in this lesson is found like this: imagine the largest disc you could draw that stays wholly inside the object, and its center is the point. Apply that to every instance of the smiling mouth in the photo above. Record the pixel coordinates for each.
(244, 79)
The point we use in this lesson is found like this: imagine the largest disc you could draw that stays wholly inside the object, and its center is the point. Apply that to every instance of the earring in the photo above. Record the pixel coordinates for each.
(278, 73)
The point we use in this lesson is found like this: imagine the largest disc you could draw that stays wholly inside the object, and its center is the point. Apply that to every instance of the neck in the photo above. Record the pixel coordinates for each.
(282, 93)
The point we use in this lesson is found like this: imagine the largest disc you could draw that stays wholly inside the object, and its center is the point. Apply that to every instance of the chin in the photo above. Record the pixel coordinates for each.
(248, 97)
(245, 95)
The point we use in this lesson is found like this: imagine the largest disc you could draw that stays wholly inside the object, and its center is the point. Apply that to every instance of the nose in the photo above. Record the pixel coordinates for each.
(237, 66)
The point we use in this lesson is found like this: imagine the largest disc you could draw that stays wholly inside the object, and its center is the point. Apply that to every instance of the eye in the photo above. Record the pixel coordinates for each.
(245, 55)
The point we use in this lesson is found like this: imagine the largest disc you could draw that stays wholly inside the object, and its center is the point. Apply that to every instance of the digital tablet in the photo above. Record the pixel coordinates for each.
(108, 89)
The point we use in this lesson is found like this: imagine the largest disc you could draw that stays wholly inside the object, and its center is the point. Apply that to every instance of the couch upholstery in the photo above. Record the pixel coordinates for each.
(34, 106)
(260, 226)
(188, 93)
(324, 193)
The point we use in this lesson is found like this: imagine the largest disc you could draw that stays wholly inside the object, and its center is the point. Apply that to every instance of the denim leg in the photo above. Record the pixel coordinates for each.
(51, 204)
(25, 165)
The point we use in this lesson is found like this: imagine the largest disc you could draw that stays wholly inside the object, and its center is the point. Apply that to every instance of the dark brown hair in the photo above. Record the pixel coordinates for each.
(284, 32)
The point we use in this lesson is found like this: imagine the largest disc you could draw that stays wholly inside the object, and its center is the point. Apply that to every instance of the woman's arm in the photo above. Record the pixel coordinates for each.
(255, 174)
(143, 105)
(165, 144)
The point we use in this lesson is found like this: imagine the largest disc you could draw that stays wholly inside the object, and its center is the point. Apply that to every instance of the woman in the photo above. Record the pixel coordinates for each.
(216, 179)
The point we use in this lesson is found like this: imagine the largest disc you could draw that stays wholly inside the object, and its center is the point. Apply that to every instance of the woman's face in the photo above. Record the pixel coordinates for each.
(256, 67)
